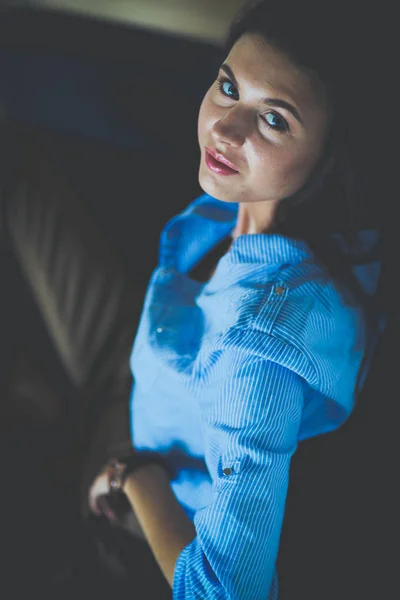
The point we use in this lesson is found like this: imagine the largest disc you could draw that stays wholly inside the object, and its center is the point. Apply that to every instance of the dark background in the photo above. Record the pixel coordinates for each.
(118, 107)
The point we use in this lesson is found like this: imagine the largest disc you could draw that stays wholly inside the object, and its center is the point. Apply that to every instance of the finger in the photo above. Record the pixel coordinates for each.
(110, 515)
(93, 502)
(101, 505)
(109, 509)
(103, 502)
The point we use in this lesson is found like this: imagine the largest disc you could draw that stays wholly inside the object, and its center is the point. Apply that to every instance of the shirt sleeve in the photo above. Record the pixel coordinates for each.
(252, 418)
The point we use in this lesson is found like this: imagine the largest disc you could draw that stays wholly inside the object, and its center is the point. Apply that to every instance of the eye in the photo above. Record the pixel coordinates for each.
(227, 88)
(276, 122)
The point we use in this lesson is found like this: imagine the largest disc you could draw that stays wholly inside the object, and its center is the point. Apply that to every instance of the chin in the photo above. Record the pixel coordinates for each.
(211, 187)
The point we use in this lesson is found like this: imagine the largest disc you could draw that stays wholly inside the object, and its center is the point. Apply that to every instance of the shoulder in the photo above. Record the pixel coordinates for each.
(275, 286)
(306, 324)
(307, 310)
(305, 301)
(292, 301)
(303, 320)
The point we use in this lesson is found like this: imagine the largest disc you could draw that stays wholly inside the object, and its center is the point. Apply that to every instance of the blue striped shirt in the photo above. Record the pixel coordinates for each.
(229, 376)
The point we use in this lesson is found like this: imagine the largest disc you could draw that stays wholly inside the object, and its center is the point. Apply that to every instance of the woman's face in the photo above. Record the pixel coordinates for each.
(267, 118)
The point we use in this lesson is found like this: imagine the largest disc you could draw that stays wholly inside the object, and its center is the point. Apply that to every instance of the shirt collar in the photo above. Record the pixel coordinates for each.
(187, 237)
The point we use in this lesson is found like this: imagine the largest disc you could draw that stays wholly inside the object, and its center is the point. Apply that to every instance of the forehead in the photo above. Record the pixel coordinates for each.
(259, 65)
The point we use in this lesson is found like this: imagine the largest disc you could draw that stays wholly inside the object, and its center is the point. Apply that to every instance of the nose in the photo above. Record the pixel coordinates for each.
(231, 129)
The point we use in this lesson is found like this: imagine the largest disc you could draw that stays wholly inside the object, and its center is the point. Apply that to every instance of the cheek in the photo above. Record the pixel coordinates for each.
(302, 164)
(200, 122)
(206, 116)
(303, 161)
(279, 170)
(269, 161)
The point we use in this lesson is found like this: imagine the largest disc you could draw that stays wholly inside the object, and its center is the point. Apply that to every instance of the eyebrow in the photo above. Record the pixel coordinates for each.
(270, 101)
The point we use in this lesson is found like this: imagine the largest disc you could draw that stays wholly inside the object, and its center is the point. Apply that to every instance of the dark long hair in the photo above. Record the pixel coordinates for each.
(319, 38)
(326, 40)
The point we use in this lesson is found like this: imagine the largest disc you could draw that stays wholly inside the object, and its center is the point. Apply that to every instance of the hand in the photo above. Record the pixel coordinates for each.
(101, 501)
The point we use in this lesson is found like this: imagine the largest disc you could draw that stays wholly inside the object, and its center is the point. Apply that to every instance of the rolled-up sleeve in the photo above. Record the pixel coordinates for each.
(252, 419)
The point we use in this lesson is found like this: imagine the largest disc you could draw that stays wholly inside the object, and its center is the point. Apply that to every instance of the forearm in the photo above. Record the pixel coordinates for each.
(167, 528)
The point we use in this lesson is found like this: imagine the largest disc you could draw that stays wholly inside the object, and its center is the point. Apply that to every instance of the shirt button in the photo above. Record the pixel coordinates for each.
(160, 329)
(280, 290)
(227, 471)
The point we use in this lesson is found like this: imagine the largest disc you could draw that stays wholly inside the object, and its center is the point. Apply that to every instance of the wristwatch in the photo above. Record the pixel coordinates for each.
(120, 468)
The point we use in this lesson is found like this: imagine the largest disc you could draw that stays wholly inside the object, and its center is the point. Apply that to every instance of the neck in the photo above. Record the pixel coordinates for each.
(254, 217)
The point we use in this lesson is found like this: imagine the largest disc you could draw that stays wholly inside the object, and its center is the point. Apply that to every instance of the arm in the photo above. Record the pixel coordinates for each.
(254, 422)
(162, 519)
(231, 551)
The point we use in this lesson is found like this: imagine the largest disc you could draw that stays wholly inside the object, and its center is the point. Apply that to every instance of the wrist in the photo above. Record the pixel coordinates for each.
(144, 473)
(136, 465)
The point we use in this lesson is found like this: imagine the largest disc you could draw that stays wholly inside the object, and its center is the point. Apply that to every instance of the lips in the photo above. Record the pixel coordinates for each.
(217, 163)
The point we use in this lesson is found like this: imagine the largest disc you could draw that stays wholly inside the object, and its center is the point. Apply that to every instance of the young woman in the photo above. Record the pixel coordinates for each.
(257, 328)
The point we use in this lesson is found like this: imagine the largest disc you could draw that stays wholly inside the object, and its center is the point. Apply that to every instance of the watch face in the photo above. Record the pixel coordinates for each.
(116, 476)
(113, 485)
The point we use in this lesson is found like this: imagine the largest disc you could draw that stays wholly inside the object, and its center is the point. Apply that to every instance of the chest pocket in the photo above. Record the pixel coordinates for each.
(167, 343)
(176, 330)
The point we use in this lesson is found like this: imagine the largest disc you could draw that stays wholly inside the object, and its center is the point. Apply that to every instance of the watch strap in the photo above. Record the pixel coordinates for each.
(122, 467)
